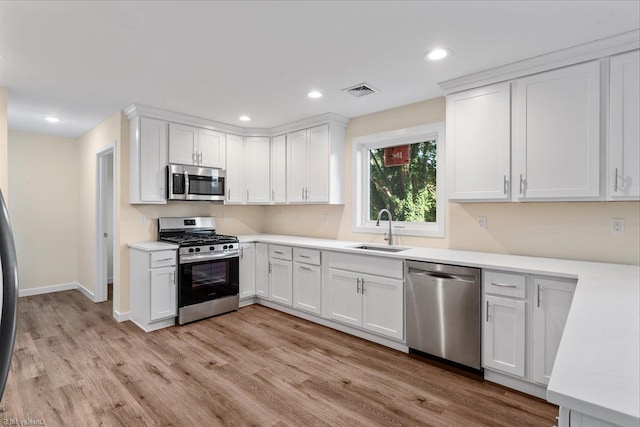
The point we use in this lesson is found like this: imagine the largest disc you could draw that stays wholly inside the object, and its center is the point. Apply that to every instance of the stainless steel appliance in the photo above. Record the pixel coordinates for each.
(443, 311)
(195, 183)
(9, 302)
(208, 267)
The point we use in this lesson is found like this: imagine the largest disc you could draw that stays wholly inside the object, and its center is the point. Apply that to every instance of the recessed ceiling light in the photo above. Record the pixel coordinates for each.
(436, 54)
(52, 119)
(314, 94)
(244, 118)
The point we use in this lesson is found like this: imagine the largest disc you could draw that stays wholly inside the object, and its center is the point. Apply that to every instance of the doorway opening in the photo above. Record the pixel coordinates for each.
(105, 225)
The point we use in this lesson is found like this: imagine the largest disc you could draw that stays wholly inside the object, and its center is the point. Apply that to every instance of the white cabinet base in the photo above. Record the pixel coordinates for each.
(516, 384)
(149, 327)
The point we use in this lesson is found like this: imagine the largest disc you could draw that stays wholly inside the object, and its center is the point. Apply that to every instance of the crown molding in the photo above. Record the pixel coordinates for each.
(136, 110)
(597, 49)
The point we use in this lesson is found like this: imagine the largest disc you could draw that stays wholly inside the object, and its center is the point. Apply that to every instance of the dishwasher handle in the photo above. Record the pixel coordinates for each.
(439, 275)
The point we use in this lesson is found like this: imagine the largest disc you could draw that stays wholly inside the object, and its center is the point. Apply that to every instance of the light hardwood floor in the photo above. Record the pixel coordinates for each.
(76, 366)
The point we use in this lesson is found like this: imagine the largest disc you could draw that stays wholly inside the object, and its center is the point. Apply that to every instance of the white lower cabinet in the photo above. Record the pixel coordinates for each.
(371, 302)
(553, 301)
(307, 287)
(154, 290)
(523, 321)
(504, 335)
(262, 270)
(281, 281)
(247, 270)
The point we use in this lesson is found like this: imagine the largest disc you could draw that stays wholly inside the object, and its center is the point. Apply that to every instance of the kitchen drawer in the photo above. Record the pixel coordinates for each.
(162, 259)
(307, 256)
(371, 264)
(280, 252)
(505, 283)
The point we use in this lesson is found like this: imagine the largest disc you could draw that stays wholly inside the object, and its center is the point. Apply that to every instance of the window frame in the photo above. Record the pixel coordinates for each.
(361, 168)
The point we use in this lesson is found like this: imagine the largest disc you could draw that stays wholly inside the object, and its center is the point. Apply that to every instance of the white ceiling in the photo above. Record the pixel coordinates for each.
(82, 61)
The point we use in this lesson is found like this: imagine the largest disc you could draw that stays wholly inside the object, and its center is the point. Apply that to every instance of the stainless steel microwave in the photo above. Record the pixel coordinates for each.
(195, 183)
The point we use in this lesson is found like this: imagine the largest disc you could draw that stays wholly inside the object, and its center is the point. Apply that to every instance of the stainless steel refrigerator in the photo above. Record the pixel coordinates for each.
(9, 301)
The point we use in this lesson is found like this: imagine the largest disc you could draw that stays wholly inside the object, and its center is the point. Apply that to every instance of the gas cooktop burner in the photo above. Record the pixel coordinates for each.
(199, 239)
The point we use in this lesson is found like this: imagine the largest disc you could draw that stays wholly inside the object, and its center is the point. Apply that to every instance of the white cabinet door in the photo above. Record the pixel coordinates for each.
(383, 305)
(317, 188)
(163, 293)
(296, 166)
(281, 281)
(247, 270)
(279, 169)
(345, 299)
(257, 151)
(153, 161)
(183, 144)
(550, 311)
(557, 134)
(234, 182)
(262, 270)
(212, 149)
(504, 335)
(479, 143)
(307, 287)
(624, 133)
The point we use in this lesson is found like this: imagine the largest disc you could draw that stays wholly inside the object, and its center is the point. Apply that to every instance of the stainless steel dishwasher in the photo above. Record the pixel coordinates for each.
(443, 311)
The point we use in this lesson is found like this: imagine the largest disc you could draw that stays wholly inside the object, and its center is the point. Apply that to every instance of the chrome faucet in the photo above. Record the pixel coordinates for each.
(389, 238)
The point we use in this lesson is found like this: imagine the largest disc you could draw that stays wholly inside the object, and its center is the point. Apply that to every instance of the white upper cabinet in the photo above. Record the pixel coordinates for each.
(148, 161)
(315, 165)
(257, 169)
(212, 147)
(279, 169)
(235, 185)
(624, 130)
(479, 143)
(556, 133)
(189, 145)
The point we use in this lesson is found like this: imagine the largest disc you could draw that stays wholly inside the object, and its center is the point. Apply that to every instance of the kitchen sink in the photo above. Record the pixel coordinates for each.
(381, 248)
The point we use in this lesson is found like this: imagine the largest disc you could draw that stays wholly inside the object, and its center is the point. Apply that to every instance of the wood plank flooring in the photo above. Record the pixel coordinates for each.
(76, 366)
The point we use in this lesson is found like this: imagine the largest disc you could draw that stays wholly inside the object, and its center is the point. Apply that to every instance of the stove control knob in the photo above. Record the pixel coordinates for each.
(197, 249)
(230, 246)
(190, 250)
(225, 247)
(212, 248)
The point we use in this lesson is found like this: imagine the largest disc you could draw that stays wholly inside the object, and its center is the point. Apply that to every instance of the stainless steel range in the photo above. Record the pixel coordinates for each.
(208, 267)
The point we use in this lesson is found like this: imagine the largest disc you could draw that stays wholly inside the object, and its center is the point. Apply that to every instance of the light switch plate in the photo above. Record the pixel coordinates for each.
(280, 217)
(482, 223)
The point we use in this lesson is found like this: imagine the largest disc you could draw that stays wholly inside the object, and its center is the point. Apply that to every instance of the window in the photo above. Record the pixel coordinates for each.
(401, 171)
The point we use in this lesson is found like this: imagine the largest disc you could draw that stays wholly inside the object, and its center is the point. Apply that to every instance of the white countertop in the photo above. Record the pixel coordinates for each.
(153, 246)
(597, 368)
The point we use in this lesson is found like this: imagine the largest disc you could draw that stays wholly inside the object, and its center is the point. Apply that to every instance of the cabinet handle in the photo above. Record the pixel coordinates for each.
(229, 194)
(306, 193)
(269, 267)
(362, 282)
(302, 193)
(505, 185)
(278, 252)
(247, 194)
(487, 312)
(615, 185)
(302, 267)
(193, 158)
(164, 259)
(173, 278)
(521, 185)
(241, 253)
(357, 285)
(538, 295)
(502, 285)
(273, 195)
(200, 158)
(304, 256)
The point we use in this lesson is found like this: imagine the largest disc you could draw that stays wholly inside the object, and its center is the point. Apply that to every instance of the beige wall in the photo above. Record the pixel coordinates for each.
(4, 150)
(43, 178)
(579, 230)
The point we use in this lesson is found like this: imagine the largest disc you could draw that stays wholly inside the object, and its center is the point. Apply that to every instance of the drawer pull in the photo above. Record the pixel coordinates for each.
(163, 259)
(304, 268)
(503, 285)
(305, 256)
(278, 252)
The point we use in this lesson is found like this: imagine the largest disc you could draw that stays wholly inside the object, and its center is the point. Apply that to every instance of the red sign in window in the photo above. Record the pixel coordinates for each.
(396, 156)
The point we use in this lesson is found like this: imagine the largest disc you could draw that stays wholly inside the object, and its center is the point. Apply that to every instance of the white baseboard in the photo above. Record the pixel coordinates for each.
(121, 317)
(87, 293)
(47, 289)
(516, 384)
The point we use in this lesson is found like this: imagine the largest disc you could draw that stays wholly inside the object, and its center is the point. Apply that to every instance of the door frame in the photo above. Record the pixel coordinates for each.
(101, 291)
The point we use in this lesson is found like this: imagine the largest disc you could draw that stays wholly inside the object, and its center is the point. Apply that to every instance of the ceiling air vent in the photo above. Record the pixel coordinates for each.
(361, 89)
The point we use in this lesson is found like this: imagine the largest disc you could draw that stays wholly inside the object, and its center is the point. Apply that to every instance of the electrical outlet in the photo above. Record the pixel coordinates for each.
(482, 223)
(280, 217)
(142, 219)
(617, 226)
(225, 217)
(325, 218)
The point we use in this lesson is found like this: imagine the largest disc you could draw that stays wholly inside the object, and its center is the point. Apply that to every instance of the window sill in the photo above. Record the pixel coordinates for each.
(427, 230)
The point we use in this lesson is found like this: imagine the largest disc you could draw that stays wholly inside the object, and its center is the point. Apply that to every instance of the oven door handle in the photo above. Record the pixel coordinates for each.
(188, 259)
